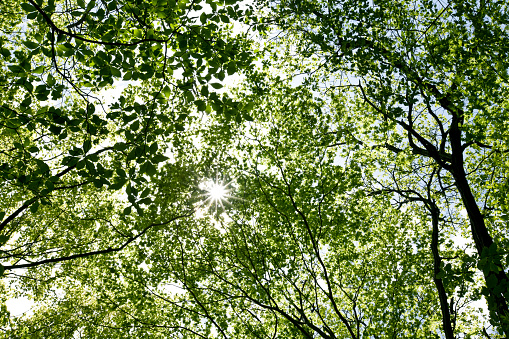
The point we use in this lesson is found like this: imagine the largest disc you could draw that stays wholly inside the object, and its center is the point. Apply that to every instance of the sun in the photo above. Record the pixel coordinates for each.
(217, 193)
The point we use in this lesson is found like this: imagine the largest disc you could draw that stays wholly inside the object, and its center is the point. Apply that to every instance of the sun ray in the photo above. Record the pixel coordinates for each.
(217, 194)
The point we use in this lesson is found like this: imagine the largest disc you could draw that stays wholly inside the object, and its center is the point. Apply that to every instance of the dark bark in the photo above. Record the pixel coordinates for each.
(451, 162)
(93, 253)
(442, 295)
(480, 233)
(29, 202)
(70, 34)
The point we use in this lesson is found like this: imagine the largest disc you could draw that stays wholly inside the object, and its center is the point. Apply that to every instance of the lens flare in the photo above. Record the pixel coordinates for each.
(217, 192)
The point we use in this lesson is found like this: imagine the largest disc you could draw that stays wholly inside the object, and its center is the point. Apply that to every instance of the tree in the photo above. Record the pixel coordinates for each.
(65, 150)
(431, 80)
(349, 190)
(302, 250)
(73, 164)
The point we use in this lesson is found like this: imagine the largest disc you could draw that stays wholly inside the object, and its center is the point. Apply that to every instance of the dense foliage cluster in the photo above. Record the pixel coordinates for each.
(363, 150)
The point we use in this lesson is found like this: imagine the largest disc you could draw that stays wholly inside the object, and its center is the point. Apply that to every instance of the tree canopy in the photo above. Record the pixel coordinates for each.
(361, 159)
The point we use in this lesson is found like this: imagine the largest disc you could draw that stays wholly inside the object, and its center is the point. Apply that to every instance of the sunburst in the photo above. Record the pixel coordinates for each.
(218, 193)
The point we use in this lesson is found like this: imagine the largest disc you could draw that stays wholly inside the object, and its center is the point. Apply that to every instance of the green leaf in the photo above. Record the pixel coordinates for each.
(15, 68)
(27, 7)
(127, 210)
(150, 169)
(248, 107)
(201, 105)
(189, 96)
(115, 72)
(159, 158)
(491, 281)
(225, 19)
(49, 184)
(90, 5)
(120, 146)
(128, 76)
(5, 52)
(216, 85)
(54, 128)
(138, 33)
(232, 68)
(34, 207)
(98, 183)
(38, 70)
(203, 18)
(493, 249)
(42, 166)
(87, 145)
(112, 5)
(117, 185)
(494, 267)
(166, 91)
(90, 167)
(121, 173)
(154, 147)
(30, 44)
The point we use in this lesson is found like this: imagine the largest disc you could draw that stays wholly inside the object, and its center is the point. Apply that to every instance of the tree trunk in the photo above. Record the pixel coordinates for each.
(442, 295)
(482, 239)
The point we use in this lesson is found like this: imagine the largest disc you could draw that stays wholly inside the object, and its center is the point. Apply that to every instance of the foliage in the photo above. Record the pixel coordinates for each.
(366, 156)
(428, 81)
(65, 150)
